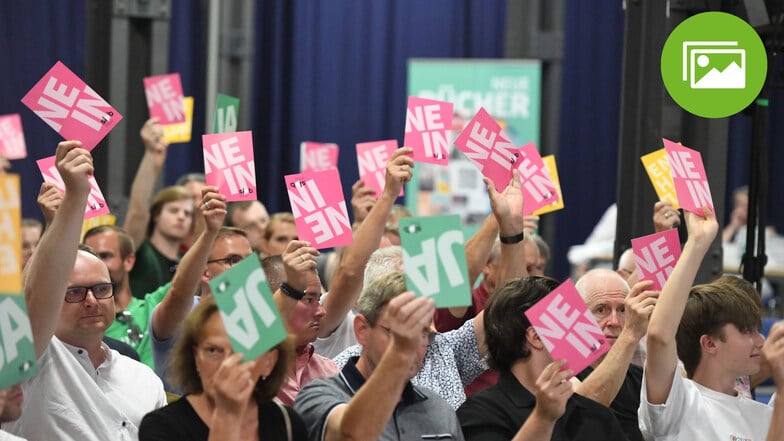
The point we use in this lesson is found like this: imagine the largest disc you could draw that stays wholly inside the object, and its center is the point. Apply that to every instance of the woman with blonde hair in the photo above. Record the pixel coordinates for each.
(226, 399)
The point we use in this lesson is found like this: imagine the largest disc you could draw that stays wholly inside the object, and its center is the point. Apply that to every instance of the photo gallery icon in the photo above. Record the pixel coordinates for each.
(714, 65)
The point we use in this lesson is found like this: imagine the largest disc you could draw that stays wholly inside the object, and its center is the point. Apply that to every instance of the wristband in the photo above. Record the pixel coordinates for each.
(291, 291)
(512, 239)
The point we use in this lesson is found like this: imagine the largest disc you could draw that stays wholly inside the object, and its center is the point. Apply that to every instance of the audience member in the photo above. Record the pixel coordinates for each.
(32, 229)
(544, 255)
(194, 183)
(280, 230)
(227, 399)
(252, 217)
(10, 409)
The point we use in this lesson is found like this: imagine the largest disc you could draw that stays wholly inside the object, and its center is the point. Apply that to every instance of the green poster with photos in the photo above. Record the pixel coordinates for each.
(227, 109)
(434, 259)
(249, 313)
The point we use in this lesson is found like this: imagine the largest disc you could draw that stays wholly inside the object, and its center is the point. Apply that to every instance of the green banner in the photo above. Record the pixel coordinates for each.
(249, 313)
(509, 90)
(17, 353)
(226, 110)
(434, 259)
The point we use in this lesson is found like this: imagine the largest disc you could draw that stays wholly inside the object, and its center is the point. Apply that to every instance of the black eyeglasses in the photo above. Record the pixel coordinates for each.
(133, 332)
(77, 294)
(429, 335)
(230, 260)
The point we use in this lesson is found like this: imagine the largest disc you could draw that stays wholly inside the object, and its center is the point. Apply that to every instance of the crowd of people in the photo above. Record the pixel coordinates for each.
(136, 348)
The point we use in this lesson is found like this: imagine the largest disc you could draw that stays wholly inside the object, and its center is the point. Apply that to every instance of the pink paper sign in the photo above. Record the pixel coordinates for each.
(96, 203)
(71, 107)
(539, 190)
(482, 142)
(12, 142)
(688, 174)
(567, 328)
(428, 129)
(165, 98)
(372, 158)
(316, 156)
(656, 256)
(319, 208)
(229, 165)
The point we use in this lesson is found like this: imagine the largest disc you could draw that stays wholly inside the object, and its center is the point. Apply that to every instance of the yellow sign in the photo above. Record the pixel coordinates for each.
(97, 221)
(10, 235)
(549, 162)
(658, 169)
(181, 132)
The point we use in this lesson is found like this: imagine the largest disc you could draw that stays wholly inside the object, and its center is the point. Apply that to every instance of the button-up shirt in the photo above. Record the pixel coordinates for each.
(308, 367)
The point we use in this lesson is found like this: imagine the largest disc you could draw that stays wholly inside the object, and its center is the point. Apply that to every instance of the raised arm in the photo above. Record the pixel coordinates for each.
(178, 301)
(662, 358)
(49, 199)
(346, 285)
(299, 258)
(144, 183)
(49, 270)
(366, 415)
(606, 380)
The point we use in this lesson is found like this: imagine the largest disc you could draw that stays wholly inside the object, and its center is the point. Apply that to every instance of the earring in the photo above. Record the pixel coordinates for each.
(263, 377)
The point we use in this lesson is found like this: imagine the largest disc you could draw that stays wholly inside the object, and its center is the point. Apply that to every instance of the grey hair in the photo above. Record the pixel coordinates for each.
(382, 261)
(544, 249)
(378, 293)
(597, 277)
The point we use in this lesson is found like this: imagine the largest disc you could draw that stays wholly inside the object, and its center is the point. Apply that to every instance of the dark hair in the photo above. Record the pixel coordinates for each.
(183, 362)
(125, 240)
(709, 308)
(168, 194)
(742, 284)
(505, 321)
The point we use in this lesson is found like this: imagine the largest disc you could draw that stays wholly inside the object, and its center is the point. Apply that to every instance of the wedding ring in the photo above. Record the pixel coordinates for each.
(207, 205)
(302, 258)
(402, 168)
(667, 215)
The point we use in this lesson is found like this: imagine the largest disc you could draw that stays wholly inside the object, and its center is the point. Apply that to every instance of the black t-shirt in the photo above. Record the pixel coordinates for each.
(151, 270)
(627, 401)
(180, 422)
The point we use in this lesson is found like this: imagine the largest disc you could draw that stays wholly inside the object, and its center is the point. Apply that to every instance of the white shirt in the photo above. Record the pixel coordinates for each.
(695, 412)
(341, 338)
(5, 436)
(69, 399)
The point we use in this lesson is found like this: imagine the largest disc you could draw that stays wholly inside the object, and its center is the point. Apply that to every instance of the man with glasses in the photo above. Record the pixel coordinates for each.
(83, 390)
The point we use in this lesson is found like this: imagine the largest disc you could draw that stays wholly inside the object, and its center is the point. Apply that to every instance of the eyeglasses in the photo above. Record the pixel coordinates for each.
(230, 260)
(77, 294)
(133, 332)
(429, 335)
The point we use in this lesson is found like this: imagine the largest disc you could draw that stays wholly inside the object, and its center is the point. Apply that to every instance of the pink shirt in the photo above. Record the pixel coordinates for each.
(308, 367)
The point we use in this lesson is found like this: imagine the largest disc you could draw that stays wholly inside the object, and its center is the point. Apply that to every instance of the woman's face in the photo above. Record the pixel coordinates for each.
(215, 346)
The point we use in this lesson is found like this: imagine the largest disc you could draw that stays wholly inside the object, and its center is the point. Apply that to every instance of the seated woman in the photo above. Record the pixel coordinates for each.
(226, 399)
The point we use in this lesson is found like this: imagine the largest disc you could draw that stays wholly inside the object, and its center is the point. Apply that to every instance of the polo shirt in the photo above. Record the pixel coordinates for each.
(139, 312)
(69, 399)
(308, 366)
(151, 270)
(498, 412)
(420, 414)
(626, 402)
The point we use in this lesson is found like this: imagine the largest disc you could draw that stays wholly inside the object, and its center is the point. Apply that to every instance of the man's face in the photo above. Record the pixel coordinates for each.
(82, 322)
(305, 321)
(490, 274)
(225, 249)
(107, 245)
(174, 220)
(12, 408)
(30, 238)
(283, 233)
(253, 221)
(605, 300)
(739, 352)
(531, 258)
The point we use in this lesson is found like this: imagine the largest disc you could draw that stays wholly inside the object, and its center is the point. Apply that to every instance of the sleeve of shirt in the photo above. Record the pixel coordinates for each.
(466, 352)
(314, 404)
(659, 420)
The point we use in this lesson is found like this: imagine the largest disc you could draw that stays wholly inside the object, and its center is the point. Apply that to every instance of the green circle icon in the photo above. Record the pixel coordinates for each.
(714, 64)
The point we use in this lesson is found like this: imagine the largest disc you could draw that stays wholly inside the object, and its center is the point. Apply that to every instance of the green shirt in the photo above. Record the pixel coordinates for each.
(137, 323)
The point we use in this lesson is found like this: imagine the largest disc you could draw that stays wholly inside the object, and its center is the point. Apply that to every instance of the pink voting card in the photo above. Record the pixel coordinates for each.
(315, 156)
(688, 174)
(96, 203)
(482, 142)
(165, 98)
(656, 256)
(12, 142)
(228, 164)
(567, 328)
(539, 190)
(372, 158)
(428, 129)
(319, 208)
(71, 107)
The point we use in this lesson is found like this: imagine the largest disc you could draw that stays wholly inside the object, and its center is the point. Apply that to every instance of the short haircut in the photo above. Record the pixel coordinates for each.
(233, 207)
(382, 261)
(231, 231)
(191, 177)
(183, 362)
(505, 321)
(88, 249)
(709, 308)
(274, 271)
(275, 219)
(378, 293)
(125, 240)
(742, 284)
(544, 249)
(168, 194)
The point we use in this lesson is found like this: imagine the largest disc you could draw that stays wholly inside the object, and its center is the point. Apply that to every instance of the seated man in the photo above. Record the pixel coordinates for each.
(373, 398)
(83, 390)
(252, 217)
(532, 396)
(714, 330)
(280, 230)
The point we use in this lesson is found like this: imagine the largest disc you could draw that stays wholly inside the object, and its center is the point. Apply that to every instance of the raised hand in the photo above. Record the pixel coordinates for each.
(154, 143)
(75, 165)
(639, 305)
(49, 200)
(362, 200)
(233, 384)
(299, 258)
(507, 205)
(702, 229)
(400, 169)
(409, 320)
(773, 354)
(552, 390)
(665, 216)
(213, 208)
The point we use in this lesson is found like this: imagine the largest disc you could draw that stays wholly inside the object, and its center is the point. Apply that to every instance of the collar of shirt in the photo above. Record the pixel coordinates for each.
(354, 380)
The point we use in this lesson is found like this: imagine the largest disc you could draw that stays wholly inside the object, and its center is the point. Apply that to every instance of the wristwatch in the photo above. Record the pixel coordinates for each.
(291, 291)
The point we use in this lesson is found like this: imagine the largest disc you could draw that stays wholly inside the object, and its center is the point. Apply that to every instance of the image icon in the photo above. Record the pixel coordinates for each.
(711, 65)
